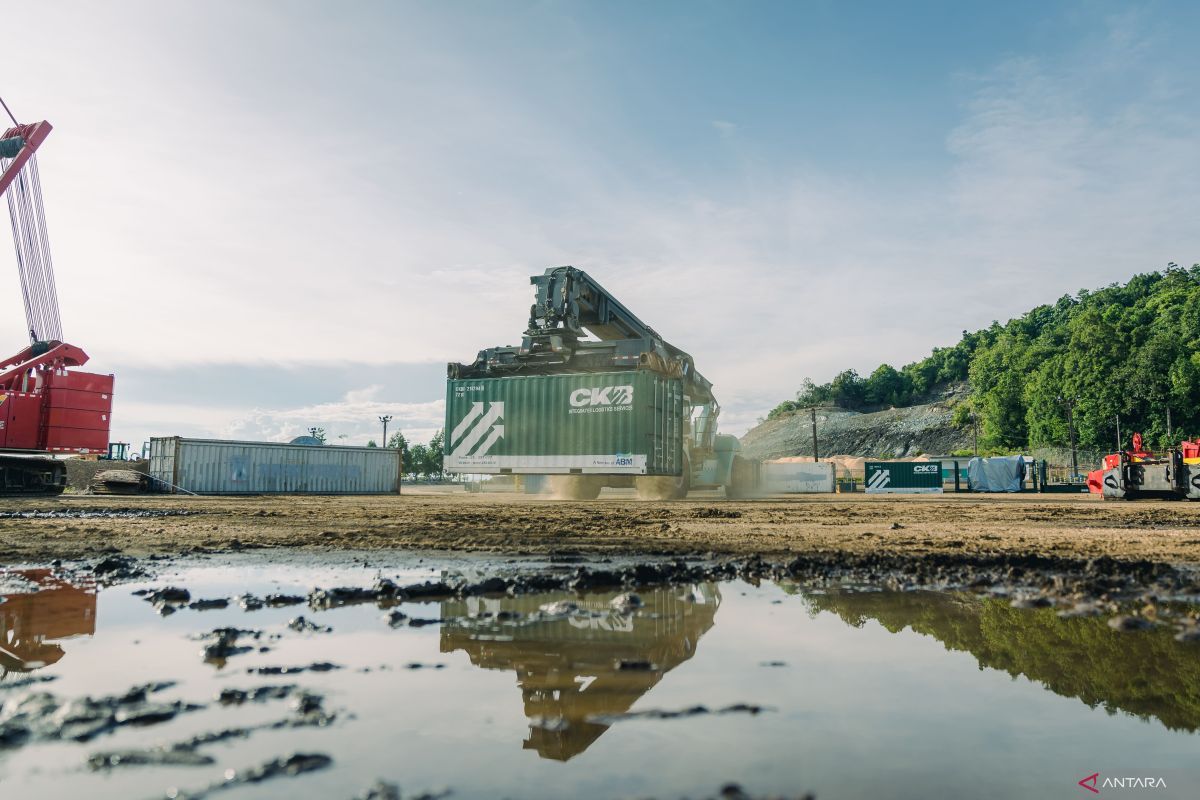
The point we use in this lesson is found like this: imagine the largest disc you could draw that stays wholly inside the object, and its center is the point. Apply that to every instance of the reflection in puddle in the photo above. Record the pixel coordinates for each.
(1148, 674)
(595, 663)
(870, 694)
(33, 621)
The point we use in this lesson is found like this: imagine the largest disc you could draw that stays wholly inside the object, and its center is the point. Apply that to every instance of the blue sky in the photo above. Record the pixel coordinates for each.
(272, 215)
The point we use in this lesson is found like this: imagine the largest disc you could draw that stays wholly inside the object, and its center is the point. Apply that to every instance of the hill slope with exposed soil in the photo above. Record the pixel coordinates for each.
(893, 433)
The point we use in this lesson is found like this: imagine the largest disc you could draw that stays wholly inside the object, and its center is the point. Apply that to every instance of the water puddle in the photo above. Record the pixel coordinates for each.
(236, 679)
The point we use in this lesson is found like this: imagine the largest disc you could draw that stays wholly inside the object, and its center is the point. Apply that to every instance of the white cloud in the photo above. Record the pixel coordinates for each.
(364, 395)
(258, 209)
(724, 128)
(355, 420)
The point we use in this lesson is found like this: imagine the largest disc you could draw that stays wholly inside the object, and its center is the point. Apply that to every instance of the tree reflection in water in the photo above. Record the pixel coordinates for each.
(1147, 673)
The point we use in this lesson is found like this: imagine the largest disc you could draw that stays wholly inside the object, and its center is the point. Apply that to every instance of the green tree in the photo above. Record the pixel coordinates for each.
(849, 390)
(888, 386)
(1130, 350)
(436, 456)
(397, 441)
(318, 434)
(811, 394)
(418, 462)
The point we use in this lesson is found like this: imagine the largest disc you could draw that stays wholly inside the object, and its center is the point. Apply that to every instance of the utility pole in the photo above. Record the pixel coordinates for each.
(816, 451)
(385, 419)
(1069, 402)
(1118, 433)
(975, 427)
(1170, 443)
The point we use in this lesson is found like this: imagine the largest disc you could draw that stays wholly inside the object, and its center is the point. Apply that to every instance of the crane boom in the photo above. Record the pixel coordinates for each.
(20, 143)
(46, 405)
(21, 186)
(570, 305)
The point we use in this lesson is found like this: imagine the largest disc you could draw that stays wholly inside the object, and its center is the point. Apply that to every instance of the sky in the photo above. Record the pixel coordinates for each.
(269, 216)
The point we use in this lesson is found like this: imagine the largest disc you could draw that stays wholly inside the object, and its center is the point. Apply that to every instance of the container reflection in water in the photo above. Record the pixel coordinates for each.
(569, 669)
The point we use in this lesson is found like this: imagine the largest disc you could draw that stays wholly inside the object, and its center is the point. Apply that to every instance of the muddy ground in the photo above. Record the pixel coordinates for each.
(940, 528)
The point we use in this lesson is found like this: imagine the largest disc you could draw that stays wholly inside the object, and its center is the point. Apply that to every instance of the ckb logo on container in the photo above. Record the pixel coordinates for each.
(604, 397)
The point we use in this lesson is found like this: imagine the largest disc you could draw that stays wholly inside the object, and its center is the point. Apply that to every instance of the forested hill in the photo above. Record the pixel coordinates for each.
(1131, 350)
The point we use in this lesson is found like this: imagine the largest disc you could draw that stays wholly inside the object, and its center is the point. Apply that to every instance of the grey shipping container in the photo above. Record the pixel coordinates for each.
(594, 423)
(214, 466)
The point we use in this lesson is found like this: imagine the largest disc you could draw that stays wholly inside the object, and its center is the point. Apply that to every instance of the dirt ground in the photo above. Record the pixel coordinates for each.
(1055, 525)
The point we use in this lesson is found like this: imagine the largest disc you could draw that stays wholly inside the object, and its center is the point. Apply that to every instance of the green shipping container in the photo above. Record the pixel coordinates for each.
(903, 477)
(628, 423)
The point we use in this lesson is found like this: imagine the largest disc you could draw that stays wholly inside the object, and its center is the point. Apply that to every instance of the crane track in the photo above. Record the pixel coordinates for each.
(31, 475)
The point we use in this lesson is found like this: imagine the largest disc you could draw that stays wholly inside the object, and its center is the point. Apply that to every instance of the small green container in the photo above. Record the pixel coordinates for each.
(903, 477)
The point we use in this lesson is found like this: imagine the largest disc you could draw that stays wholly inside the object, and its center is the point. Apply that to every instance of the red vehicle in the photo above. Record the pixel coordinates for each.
(47, 407)
(1139, 473)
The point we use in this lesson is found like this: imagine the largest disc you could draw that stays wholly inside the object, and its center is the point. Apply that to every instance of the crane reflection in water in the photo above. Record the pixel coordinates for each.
(573, 669)
(44, 610)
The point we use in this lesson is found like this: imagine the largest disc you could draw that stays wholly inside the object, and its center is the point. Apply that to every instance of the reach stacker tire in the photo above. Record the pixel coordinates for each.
(665, 487)
(743, 479)
(576, 487)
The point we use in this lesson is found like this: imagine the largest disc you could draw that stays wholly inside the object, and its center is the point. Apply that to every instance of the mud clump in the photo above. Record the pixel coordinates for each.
(398, 619)
(1129, 623)
(259, 694)
(733, 791)
(560, 608)
(117, 569)
(693, 711)
(302, 625)
(712, 512)
(382, 790)
(41, 716)
(168, 600)
(156, 756)
(290, 766)
(307, 711)
(249, 602)
(489, 586)
(626, 603)
(223, 644)
(319, 666)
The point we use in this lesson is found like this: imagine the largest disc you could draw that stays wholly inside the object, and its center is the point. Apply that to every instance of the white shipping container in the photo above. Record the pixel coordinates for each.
(213, 466)
(792, 477)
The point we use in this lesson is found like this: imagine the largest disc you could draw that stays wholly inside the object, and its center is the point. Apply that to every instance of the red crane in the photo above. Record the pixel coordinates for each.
(47, 407)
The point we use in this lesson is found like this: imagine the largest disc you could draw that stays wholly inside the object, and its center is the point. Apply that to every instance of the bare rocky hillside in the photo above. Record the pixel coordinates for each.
(893, 433)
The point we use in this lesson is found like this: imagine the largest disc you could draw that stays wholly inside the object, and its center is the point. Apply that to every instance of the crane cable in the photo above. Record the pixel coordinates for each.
(32, 245)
